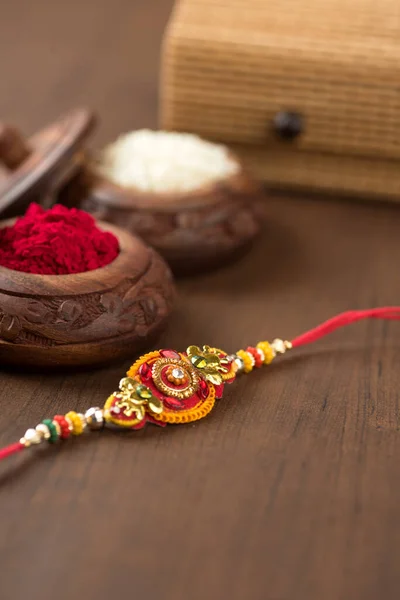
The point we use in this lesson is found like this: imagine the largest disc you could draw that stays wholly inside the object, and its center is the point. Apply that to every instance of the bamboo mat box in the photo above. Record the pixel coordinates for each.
(306, 91)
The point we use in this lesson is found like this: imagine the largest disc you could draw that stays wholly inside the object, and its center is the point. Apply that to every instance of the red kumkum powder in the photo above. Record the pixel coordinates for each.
(58, 241)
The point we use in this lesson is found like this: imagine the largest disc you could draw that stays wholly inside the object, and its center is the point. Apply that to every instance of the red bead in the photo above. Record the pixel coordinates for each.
(203, 389)
(257, 358)
(145, 372)
(169, 354)
(64, 426)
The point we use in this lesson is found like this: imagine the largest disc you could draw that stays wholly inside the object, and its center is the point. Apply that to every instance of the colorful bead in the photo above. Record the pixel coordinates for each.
(257, 358)
(64, 426)
(52, 429)
(58, 428)
(43, 430)
(280, 346)
(261, 355)
(248, 360)
(269, 353)
(76, 421)
(31, 437)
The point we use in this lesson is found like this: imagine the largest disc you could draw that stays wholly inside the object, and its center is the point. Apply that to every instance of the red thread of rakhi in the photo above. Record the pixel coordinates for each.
(343, 319)
(213, 368)
(11, 449)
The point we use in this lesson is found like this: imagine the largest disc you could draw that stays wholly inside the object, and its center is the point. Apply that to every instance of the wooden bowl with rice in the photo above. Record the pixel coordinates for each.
(191, 200)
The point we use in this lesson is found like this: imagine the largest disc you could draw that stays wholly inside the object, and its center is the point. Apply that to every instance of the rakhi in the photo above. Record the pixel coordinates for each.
(169, 387)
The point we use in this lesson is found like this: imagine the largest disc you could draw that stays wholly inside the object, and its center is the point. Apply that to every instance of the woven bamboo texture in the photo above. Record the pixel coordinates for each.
(230, 65)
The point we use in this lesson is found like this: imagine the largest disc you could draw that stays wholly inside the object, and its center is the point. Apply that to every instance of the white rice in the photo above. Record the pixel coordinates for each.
(159, 161)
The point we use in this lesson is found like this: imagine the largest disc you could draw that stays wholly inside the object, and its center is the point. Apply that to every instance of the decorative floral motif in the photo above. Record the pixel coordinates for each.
(187, 384)
(69, 311)
(228, 365)
(10, 327)
(175, 377)
(170, 376)
(208, 362)
(37, 312)
(129, 406)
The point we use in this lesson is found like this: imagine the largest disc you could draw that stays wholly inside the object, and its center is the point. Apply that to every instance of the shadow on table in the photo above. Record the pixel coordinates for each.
(272, 261)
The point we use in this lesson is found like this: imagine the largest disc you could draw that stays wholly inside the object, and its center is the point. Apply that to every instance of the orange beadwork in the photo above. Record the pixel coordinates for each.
(132, 372)
(231, 373)
(192, 414)
(172, 377)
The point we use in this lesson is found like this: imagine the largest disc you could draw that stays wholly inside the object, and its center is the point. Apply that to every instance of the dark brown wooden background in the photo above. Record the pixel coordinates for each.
(290, 489)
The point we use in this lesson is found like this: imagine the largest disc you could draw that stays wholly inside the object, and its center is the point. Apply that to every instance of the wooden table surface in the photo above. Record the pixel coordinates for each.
(290, 490)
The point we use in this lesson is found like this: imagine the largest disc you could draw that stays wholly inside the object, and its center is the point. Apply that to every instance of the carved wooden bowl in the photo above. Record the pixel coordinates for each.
(88, 318)
(193, 231)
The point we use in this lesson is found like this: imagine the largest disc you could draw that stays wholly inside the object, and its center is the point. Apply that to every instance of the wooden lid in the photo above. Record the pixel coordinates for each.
(40, 162)
(303, 75)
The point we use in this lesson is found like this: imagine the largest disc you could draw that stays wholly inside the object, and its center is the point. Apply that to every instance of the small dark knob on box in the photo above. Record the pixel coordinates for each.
(288, 125)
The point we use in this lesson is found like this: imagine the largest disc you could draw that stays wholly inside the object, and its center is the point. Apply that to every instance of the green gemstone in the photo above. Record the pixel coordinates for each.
(199, 362)
(143, 392)
(52, 429)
